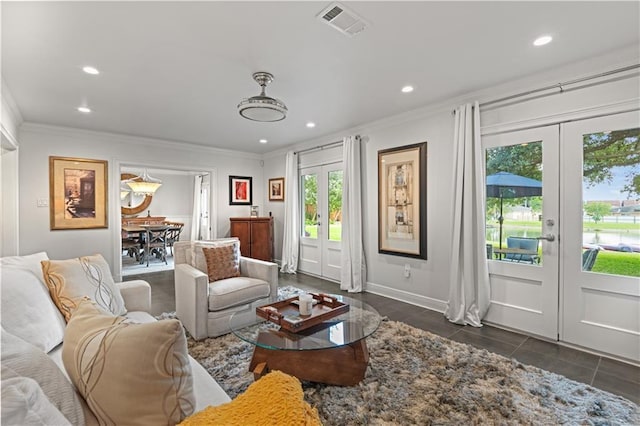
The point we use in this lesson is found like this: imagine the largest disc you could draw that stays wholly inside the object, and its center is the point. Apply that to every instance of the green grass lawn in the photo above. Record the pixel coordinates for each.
(335, 231)
(618, 263)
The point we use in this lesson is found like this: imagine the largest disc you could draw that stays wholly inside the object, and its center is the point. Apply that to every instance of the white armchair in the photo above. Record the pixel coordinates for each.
(205, 308)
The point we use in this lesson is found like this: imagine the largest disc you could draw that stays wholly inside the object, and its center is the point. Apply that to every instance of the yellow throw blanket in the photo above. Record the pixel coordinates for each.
(275, 399)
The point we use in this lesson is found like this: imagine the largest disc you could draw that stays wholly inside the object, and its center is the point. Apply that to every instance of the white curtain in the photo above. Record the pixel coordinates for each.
(353, 274)
(470, 290)
(291, 234)
(195, 218)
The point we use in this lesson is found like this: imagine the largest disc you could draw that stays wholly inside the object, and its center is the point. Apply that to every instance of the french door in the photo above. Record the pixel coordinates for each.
(522, 229)
(601, 212)
(565, 256)
(321, 213)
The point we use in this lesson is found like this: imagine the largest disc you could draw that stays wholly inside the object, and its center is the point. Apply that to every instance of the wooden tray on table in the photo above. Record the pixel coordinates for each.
(286, 313)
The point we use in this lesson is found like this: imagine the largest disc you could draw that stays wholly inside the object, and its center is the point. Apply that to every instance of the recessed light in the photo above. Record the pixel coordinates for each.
(90, 70)
(84, 109)
(311, 124)
(263, 141)
(407, 89)
(542, 40)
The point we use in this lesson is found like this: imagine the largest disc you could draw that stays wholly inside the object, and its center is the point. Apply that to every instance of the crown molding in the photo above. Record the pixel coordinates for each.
(82, 134)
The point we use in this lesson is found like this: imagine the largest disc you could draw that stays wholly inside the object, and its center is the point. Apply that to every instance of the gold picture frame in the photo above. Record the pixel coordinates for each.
(276, 189)
(402, 201)
(78, 193)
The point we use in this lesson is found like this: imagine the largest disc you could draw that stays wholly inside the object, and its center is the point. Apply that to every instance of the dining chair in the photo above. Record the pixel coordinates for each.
(156, 243)
(173, 235)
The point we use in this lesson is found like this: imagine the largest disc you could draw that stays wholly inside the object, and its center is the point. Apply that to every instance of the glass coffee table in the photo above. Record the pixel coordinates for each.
(333, 352)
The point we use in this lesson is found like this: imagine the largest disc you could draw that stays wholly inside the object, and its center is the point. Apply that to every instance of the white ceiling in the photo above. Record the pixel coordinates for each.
(177, 70)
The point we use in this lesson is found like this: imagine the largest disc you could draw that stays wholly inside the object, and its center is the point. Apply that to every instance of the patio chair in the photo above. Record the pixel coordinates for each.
(589, 258)
(528, 244)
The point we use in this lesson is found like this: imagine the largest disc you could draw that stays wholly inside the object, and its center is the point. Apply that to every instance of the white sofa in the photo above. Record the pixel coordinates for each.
(205, 307)
(29, 314)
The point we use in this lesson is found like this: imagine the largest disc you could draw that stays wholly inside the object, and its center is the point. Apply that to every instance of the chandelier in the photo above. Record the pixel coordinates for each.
(262, 107)
(144, 185)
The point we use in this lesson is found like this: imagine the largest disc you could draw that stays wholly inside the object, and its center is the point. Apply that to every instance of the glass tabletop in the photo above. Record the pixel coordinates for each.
(358, 323)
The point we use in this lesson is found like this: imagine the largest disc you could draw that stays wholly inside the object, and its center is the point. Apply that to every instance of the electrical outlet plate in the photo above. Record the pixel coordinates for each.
(42, 202)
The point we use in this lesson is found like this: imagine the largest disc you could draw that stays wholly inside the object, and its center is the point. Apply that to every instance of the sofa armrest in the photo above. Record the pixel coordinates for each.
(136, 295)
(192, 304)
(267, 271)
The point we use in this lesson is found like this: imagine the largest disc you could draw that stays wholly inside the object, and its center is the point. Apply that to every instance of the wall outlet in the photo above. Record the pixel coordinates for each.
(407, 270)
(42, 202)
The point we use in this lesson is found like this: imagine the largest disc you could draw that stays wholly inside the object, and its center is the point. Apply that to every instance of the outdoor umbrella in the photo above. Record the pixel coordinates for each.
(507, 185)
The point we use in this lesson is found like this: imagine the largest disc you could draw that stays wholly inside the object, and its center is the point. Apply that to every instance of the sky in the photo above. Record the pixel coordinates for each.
(611, 190)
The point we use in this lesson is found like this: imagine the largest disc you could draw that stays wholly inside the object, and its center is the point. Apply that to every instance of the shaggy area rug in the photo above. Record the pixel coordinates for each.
(415, 377)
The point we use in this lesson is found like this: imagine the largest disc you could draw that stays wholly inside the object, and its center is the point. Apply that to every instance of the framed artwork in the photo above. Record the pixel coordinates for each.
(240, 190)
(77, 193)
(276, 189)
(402, 201)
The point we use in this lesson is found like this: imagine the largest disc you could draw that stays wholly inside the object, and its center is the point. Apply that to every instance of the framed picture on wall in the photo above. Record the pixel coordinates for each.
(402, 201)
(240, 190)
(77, 193)
(276, 189)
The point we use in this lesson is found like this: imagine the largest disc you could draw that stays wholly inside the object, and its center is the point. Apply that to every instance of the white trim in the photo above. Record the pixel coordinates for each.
(9, 142)
(628, 105)
(407, 297)
(611, 327)
(82, 134)
(519, 308)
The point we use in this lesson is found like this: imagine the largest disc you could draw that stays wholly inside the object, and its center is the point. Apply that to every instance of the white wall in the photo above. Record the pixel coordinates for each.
(38, 142)
(428, 284)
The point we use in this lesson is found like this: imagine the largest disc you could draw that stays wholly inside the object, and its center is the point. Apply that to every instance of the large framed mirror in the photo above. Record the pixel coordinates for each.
(132, 203)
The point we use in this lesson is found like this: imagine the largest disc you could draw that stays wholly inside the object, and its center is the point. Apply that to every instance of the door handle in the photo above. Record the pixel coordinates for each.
(548, 237)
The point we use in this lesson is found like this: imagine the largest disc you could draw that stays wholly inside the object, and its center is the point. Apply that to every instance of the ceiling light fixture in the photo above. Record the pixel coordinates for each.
(262, 107)
(144, 185)
(407, 89)
(311, 125)
(542, 40)
(84, 109)
(90, 70)
(263, 141)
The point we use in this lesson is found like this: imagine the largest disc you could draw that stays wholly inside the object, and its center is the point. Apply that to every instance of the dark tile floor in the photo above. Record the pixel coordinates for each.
(613, 376)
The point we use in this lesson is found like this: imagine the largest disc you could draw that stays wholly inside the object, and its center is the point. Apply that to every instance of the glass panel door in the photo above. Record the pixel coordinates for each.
(601, 234)
(522, 199)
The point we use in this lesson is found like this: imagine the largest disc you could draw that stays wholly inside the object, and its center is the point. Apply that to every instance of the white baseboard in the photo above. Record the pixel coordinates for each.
(404, 296)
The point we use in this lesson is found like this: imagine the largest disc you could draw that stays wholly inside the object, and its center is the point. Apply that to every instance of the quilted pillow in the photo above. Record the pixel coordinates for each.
(24, 403)
(27, 309)
(71, 280)
(222, 262)
(21, 359)
(133, 374)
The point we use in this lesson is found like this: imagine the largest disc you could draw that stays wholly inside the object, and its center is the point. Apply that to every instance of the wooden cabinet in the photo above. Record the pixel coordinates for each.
(256, 236)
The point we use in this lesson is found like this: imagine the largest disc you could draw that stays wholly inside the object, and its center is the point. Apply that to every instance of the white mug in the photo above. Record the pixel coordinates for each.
(305, 304)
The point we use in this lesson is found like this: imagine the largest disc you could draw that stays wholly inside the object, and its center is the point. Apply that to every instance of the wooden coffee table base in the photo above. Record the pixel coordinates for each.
(343, 365)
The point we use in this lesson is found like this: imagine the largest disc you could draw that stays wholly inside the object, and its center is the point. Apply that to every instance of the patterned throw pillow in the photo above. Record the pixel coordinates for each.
(222, 262)
(71, 280)
(133, 374)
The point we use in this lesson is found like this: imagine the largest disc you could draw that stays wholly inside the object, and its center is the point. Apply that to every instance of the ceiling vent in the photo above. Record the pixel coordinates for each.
(342, 19)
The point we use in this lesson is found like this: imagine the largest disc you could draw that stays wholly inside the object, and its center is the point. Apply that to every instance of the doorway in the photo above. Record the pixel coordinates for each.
(565, 259)
(172, 204)
(321, 224)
